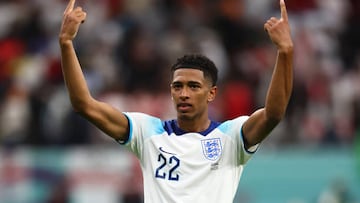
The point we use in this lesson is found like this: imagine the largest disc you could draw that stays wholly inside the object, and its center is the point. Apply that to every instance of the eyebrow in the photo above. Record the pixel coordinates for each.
(189, 82)
(194, 83)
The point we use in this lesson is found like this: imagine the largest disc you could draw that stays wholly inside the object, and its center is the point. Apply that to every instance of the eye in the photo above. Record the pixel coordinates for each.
(176, 86)
(194, 86)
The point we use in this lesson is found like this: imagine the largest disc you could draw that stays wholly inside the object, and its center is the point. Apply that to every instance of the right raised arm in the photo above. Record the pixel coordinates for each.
(108, 119)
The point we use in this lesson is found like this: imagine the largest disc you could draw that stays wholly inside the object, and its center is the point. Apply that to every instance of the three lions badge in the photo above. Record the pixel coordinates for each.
(211, 148)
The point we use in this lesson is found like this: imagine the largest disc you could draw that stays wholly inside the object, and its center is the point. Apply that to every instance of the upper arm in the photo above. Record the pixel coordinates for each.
(107, 118)
(257, 127)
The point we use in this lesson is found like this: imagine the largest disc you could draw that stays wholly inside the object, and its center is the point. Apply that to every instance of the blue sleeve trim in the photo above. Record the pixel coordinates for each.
(251, 149)
(129, 137)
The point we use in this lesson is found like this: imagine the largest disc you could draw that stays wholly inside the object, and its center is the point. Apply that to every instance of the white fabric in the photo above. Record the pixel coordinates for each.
(188, 167)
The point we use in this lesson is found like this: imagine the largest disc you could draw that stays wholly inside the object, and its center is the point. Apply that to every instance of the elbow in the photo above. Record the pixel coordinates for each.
(275, 117)
(77, 108)
(80, 106)
(275, 112)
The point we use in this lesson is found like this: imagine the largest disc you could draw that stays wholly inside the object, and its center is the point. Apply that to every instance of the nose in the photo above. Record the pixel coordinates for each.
(184, 93)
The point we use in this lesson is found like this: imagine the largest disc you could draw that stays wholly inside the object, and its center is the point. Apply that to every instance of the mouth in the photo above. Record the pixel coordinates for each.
(184, 107)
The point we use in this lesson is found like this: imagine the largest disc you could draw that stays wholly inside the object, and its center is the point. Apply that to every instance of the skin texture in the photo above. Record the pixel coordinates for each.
(191, 94)
(190, 91)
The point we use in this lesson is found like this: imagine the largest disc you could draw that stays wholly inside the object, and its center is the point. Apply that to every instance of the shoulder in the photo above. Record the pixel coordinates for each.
(233, 124)
(137, 116)
(142, 120)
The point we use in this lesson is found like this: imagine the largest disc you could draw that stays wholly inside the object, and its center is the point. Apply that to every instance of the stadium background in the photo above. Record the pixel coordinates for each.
(50, 154)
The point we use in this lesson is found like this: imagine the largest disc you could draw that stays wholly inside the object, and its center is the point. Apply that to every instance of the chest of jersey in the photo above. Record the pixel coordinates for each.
(187, 167)
(176, 158)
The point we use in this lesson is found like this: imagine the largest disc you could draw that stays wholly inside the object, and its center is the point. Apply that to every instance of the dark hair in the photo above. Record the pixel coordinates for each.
(200, 62)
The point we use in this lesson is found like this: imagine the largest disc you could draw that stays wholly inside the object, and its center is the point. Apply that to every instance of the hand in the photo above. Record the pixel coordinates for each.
(71, 22)
(279, 30)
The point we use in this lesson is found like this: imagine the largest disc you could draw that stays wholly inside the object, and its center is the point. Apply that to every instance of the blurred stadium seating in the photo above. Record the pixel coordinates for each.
(126, 48)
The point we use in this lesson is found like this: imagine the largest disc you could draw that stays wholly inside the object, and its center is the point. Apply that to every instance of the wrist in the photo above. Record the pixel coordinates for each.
(286, 49)
(65, 44)
(64, 41)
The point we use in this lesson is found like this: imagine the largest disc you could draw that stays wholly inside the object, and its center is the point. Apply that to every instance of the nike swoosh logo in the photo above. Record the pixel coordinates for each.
(161, 149)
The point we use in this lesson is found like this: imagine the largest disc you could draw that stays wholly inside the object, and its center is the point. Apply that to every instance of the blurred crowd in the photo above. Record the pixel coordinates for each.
(126, 48)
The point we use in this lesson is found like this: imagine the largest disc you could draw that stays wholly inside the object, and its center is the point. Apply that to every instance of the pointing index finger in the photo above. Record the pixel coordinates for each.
(70, 6)
(283, 10)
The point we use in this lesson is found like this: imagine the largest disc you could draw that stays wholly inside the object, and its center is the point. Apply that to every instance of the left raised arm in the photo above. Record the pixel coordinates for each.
(264, 120)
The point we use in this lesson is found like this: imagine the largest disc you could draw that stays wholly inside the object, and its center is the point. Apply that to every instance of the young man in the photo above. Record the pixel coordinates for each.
(190, 159)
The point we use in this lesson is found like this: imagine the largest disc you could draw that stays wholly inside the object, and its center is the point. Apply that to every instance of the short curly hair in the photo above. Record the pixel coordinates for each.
(200, 62)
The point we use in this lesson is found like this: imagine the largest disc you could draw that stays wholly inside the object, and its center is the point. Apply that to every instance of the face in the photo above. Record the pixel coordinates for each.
(191, 93)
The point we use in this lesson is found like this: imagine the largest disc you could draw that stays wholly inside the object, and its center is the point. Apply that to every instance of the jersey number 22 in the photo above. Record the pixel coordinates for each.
(162, 172)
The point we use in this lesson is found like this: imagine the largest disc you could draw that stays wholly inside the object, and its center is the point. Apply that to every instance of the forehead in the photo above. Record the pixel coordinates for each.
(188, 74)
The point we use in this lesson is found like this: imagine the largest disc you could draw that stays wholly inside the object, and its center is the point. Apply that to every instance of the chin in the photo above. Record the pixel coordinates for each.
(184, 116)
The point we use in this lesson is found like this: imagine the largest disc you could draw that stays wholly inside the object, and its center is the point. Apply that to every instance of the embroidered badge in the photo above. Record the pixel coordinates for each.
(211, 148)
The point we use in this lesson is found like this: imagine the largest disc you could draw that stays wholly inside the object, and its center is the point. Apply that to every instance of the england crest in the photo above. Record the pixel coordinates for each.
(211, 148)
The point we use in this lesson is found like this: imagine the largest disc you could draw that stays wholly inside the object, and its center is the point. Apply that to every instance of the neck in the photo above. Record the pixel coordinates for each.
(193, 125)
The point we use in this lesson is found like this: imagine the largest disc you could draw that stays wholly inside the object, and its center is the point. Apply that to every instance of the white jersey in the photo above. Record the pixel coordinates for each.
(187, 167)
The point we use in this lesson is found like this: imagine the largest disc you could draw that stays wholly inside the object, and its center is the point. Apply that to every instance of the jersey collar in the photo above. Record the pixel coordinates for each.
(171, 126)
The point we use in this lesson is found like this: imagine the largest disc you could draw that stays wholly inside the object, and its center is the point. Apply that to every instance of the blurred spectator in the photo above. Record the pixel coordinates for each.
(237, 97)
(337, 192)
(349, 40)
(141, 60)
(14, 116)
(300, 6)
(127, 47)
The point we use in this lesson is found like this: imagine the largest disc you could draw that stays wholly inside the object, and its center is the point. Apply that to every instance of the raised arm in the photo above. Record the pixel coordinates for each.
(108, 119)
(264, 120)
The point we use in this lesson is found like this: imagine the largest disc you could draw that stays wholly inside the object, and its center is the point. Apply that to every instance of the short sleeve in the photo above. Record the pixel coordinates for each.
(233, 128)
(141, 127)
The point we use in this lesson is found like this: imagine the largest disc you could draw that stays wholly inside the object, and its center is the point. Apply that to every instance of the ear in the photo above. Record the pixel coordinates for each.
(212, 93)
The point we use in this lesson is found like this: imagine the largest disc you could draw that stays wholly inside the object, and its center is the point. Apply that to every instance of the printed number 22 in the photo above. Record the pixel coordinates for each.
(160, 171)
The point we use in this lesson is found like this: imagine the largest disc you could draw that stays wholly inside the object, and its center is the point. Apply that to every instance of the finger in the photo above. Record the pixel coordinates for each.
(273, 20)
(80, 14)
(82, 17)
(70, 6)
(77, 9)
(267, 26)
(283, 10)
